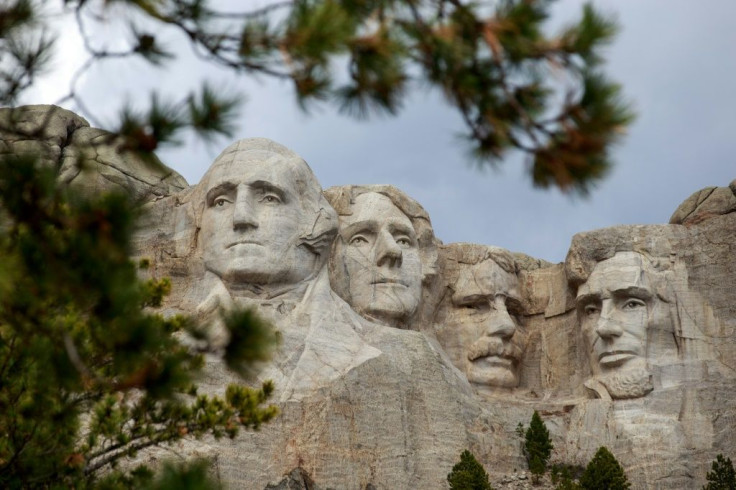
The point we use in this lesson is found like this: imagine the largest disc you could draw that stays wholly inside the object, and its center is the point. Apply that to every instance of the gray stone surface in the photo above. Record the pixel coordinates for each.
(88, 160)
(708, 202)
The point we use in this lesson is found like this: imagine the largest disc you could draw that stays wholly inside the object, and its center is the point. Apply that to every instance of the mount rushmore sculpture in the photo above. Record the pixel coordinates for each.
(399, 351)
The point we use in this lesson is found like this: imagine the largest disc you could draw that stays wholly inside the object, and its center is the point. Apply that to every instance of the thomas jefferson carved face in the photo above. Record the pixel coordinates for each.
(623, 319)
(253, 219)
(484, 322)
(380, 255)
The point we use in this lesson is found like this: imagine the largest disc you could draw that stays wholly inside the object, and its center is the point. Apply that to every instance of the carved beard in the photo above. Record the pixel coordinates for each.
(630, 383)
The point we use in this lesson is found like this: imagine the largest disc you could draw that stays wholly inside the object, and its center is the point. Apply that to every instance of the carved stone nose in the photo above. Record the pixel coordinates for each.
(608, 327)
(500, 323)
(244, 215)
(388, 251)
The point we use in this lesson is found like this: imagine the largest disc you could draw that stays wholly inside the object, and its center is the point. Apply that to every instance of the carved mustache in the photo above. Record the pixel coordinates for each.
(494, 346)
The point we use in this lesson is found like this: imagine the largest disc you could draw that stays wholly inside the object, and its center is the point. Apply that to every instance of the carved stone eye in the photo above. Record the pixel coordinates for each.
(633, 304)
(272, 199)
(358, 240)
(220, 201)
(590, 310)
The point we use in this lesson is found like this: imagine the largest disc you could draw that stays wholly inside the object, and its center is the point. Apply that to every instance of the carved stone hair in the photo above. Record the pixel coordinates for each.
(589, 248)
(472, 253)
(317, 233)
(342, 198)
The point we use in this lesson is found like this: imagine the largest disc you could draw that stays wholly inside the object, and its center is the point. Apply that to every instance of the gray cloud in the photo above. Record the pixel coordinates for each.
(675, 60)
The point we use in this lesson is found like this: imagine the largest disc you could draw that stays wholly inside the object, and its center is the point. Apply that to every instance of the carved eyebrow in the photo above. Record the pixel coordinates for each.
(623, 292)
(635, 291)
(466, 299)
(586, 298)
(266, 186)
(515, 301)
(402, 228)
(366, 225)
(219, 190)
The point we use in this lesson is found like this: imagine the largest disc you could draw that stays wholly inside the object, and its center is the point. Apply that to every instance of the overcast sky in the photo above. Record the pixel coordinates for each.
(676, 60)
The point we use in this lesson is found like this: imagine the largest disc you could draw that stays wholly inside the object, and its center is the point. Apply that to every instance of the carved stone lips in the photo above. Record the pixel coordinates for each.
(243, 242)
(492, 360)
(389, 280)
(613, 358)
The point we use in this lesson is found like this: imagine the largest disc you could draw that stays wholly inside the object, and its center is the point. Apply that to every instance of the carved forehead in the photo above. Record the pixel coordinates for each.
(485, 278)
(375, 207)
(250, 166)
(279, 164)
(625, 270)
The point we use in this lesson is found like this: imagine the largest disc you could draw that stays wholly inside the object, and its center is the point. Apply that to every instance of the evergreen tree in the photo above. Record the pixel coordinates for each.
(491, 60)
(468, 474)
(537, 447)
(604, 473)
(564, 476)
(88, 376)
(722, 476)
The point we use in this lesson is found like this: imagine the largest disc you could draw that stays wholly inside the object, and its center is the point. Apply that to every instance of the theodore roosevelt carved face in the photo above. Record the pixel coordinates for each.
(625, 321)
(260, 206)
(484, 323)
(378, 250)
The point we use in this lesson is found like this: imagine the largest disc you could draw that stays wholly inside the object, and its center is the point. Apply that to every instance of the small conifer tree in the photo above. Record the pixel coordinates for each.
(468, 474)
(537, 447)
(604, 473)
(723, 476)
(565, 476)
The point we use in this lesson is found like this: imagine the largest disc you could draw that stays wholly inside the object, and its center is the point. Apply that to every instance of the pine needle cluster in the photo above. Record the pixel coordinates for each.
(516, 86)
(604, 473)
(537, 446)
(722, 475)
(468, 474)
(88, 375)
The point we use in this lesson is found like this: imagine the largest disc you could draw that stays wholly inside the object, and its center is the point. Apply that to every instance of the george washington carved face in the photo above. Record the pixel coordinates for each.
(260, 205)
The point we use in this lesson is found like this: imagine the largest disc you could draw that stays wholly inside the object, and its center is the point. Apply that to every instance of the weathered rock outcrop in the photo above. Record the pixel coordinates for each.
(708, 202)
(87, 159)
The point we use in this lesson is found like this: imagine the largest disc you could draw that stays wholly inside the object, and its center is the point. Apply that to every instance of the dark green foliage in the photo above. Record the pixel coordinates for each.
(76, 344)
(468, 474)
(722, 476)
(537, 446)
(565, 476)
(604, 473)
(491, 61)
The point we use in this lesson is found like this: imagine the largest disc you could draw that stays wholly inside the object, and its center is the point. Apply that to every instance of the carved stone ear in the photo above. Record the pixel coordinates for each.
(319, 236)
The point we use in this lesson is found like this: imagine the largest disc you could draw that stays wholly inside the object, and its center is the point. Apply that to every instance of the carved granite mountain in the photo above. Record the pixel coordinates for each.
(399, 352)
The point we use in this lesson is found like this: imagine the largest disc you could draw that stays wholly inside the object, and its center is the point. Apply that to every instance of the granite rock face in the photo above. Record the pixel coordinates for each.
(708, 202)
(399, 352)
(86, 159)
